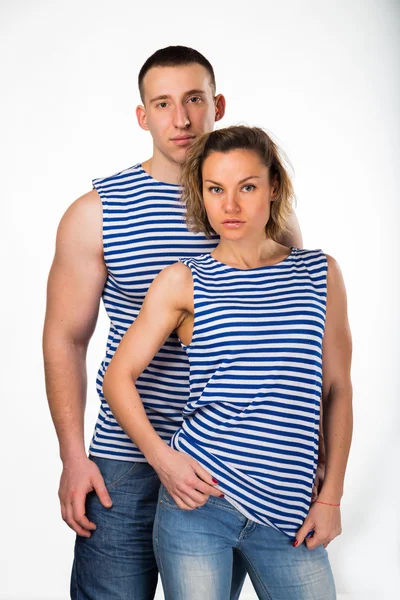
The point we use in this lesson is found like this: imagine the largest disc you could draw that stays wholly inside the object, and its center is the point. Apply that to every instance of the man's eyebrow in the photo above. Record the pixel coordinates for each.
(167, 97)
(241, 181)
(162, 97)
(191, 92)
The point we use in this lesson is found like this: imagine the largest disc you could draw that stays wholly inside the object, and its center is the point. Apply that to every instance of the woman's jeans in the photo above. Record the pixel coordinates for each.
(194, 552)
(117, 562)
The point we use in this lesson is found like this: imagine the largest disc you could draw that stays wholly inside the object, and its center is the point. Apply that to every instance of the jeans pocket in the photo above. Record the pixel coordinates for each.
(114, 471)
(167, 500)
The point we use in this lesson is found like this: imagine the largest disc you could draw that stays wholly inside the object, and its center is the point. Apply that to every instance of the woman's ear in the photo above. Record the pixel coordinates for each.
(275, 189)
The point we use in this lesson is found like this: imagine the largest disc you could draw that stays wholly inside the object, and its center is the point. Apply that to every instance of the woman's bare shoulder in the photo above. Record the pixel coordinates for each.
(174, 284)
(177, 274)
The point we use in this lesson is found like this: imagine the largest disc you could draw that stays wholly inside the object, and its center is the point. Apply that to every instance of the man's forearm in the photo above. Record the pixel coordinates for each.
(65, 370)
(338, 427)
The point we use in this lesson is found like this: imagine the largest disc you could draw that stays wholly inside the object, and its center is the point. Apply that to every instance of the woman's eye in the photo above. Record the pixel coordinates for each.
(248, 188)
(215, 189)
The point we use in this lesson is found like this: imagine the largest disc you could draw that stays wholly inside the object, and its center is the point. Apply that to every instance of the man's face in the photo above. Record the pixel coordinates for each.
(179, 106)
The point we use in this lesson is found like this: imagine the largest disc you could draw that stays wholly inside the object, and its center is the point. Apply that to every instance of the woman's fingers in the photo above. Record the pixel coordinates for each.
(194, 499)
(207, 482)
(303, 531)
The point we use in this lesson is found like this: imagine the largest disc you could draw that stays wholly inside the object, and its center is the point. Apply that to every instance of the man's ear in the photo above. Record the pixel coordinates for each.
(142, 117)
(220, 104)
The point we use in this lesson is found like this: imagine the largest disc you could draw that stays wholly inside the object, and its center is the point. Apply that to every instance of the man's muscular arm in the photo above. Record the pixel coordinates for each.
(75, 284)
(292, 237)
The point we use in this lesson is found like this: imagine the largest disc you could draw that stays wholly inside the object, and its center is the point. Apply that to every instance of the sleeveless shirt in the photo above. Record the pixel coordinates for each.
(252, 418)
(143, 232)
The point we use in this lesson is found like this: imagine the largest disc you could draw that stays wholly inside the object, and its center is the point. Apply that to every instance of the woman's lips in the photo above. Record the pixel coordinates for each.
(232, 224)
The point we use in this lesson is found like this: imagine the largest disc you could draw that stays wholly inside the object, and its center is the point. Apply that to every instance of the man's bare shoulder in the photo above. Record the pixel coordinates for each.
(82, 222)
(87, 207)
(335, 276)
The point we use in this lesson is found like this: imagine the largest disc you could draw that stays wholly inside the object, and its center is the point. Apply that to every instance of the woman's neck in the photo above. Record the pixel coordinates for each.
(250, 255)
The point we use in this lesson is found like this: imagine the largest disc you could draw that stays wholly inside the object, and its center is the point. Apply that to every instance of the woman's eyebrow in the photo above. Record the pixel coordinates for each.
(241, 181)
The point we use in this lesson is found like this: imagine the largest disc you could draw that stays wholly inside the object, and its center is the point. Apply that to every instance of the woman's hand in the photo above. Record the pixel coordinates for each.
(185, 479)
(325, 521)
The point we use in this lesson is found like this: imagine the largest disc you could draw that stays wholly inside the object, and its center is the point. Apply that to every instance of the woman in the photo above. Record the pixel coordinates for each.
(260, 323)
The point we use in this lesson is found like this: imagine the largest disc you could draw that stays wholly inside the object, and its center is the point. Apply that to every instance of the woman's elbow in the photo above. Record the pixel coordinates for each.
(108, 383)
(116, 378)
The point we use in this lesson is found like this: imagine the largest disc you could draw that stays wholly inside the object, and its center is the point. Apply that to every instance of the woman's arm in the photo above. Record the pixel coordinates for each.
(168, 303)
(324, 518)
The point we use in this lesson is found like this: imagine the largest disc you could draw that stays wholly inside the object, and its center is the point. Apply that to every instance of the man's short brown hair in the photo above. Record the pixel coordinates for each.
(175, 56)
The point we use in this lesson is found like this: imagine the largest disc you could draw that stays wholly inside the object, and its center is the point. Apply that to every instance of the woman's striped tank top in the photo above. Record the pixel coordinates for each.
(143, 231)
(252, 419)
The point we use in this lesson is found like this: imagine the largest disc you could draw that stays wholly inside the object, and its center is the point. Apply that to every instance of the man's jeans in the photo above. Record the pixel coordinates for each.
(194, 551)
(117, 562)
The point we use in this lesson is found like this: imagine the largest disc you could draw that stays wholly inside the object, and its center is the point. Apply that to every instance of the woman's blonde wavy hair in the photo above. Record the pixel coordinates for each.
(238, 137)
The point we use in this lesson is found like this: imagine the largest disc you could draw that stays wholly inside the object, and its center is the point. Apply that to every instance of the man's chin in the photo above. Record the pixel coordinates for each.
(181, 154)
(176, 155)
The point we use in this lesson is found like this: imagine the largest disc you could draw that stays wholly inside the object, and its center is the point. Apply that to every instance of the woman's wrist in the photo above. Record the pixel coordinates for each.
(159, 453)
(316, 501)
(330, 493)
(329, 497)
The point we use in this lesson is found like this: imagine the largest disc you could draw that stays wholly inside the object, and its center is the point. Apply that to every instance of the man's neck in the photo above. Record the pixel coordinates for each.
(162, 169)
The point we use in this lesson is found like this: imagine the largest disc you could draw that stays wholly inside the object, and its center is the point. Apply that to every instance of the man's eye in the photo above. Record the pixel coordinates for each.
(194, 99)
(162, 104)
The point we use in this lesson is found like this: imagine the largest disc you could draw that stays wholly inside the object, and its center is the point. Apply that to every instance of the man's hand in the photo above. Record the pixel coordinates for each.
(186, 481)
(79, 477)
(325, 521)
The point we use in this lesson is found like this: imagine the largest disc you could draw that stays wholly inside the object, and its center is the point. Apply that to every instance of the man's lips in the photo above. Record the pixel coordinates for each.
(181, 140)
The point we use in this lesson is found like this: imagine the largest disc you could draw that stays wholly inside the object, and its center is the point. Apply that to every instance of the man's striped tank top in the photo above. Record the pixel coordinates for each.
(143, 232)
(252, 419)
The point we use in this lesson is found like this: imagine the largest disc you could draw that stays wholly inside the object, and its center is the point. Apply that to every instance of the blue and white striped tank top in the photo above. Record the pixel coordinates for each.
(143, 232)
(252, 419)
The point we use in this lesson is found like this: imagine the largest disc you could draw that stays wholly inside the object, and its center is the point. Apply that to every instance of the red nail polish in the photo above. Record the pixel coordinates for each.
(222, 496)
(214, 480)
(295, 543)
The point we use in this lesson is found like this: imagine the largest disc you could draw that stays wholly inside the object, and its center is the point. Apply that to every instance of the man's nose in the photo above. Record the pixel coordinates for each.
(181, 117)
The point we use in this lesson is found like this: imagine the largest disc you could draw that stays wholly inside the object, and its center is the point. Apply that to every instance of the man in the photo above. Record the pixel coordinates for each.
(111, 243)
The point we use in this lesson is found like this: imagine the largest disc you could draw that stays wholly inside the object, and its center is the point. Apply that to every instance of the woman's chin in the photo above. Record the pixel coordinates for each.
(232, 234)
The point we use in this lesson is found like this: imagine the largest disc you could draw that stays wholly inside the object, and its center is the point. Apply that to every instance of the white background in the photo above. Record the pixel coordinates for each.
(323, 76)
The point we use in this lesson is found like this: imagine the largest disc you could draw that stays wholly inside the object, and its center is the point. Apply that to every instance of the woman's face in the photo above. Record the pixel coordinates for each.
(237, 194)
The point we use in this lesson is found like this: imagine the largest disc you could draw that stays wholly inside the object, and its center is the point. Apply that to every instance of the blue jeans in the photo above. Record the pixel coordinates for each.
(117, 562)
(194, 552)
